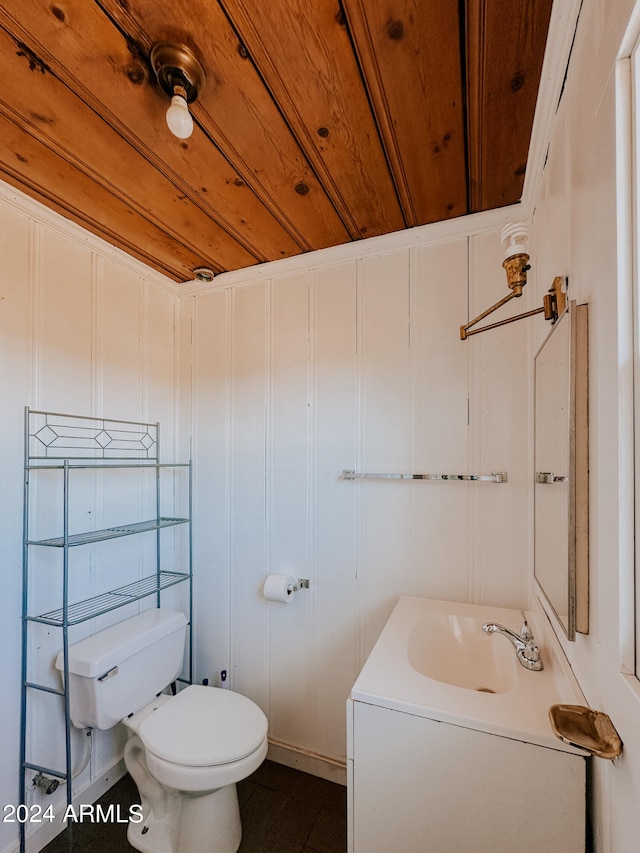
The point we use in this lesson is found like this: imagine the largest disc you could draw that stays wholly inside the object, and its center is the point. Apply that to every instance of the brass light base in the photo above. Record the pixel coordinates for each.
(176, 66)
(516, 267)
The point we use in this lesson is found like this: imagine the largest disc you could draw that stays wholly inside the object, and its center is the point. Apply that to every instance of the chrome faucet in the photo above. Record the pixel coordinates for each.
(524, 643)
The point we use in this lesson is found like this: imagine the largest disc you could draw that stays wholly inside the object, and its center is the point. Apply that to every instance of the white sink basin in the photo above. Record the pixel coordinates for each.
(450, 647)
(433, 660)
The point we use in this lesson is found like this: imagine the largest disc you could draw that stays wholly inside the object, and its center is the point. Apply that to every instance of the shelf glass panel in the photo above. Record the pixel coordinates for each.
(109, 532)
(99, 604)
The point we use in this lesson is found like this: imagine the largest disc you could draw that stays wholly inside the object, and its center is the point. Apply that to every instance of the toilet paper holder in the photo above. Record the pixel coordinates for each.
(283, 588)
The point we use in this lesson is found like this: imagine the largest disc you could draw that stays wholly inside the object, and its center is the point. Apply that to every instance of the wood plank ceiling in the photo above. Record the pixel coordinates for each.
(321, 121)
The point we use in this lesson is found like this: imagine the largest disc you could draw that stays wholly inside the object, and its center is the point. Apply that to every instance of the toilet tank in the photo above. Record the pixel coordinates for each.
(117, 671)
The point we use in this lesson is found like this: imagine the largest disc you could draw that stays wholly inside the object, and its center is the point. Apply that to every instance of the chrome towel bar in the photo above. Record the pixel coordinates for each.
(494, 477)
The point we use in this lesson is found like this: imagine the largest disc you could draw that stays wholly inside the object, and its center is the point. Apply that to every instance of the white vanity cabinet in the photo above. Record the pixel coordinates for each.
(449, 744)
(423, 786)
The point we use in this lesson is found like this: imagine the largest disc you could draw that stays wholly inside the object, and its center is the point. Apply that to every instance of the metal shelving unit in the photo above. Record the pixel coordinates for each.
(62, 446)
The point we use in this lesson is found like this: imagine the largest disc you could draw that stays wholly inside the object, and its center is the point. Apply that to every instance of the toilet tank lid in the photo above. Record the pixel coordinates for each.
(95, 655)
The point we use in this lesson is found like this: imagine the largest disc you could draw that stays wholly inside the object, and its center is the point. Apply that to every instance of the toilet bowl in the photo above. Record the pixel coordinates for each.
(184, 752)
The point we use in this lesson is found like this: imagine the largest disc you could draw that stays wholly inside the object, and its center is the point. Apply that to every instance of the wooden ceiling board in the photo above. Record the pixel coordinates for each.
(30, 166)
(505, 51)
(77, 43)
(304, 55)
(409, 51)
(45, 106)
(239, 115)
(319, 122)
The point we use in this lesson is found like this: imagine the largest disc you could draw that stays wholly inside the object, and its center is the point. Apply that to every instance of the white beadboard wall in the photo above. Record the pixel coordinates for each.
(353, 364)
(280, 382)
(86, 330)
(583, 228)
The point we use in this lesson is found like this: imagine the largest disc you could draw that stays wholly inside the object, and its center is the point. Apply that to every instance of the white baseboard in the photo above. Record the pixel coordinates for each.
(47, 831)
(308, 762)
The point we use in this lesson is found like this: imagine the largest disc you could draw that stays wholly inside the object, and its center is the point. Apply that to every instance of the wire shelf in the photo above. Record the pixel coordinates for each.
(109, 533)
(68, 444)
(99, 604)
(80, 462)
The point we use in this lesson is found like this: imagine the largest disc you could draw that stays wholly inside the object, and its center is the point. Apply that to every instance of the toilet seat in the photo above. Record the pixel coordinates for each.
(180, 777)
(204, 727)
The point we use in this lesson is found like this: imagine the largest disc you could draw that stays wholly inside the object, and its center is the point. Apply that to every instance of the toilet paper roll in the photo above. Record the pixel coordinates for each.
(280, 588)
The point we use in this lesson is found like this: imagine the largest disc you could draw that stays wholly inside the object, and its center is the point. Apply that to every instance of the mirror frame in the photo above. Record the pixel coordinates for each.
(577, 452)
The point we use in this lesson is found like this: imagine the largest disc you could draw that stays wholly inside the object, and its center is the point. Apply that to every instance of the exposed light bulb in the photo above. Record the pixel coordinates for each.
(514, 239)
(179, 118)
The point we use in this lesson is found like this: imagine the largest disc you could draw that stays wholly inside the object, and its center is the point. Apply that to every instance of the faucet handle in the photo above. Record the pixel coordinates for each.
(532, 651)
(530, 655)
(525, 633)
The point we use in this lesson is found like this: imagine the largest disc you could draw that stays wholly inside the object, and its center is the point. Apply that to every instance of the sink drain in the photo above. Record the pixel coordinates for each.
(484, 690)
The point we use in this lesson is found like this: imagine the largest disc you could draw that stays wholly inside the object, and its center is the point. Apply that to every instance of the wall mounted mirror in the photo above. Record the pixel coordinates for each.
(561, 454)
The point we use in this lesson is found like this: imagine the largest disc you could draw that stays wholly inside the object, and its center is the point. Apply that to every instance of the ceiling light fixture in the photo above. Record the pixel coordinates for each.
(203, 274)
(516, 265)
(181, 76)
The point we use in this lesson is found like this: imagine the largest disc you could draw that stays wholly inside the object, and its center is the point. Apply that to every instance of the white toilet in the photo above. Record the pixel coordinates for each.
(185, 752)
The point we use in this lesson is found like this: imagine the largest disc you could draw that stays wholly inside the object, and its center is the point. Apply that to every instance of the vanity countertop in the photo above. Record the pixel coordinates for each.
(445, 639)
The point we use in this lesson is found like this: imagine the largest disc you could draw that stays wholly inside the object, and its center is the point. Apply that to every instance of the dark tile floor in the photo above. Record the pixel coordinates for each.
(282, 811)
